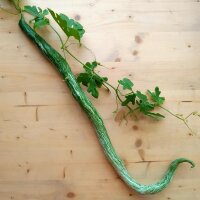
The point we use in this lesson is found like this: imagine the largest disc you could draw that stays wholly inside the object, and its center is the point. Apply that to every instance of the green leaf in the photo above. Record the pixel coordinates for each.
(40, 23)
(83, 78)
(90, 79)
(32, 10)
(99, 80)
(129, 99)
(69, 26)
(126, 83)
(45, 12)
(144, 105)
(39, 19)
(92, 88)
(155, 96)
(141, 96)
(89, 67)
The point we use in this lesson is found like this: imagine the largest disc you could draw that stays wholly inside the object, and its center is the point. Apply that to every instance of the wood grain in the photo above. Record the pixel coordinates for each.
(48, 148)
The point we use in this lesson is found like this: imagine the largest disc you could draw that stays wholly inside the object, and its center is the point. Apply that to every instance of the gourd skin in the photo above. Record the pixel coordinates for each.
(64, 69)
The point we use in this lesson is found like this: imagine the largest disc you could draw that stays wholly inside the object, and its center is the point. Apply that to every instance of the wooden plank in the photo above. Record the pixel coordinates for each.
(48, 148)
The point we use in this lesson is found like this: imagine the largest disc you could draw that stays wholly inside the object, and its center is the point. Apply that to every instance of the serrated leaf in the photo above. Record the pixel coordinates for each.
(126, 83)
(129, 99)
(45, 12)
(69, 26)
(32, 10)
(83, 78)
(90, 79)
(99, 80)
(40, 23)
(92, 88)
(141, 96)
(144, 105)
(155, 96)
(90, 66)
(39, 19)
(74, 26)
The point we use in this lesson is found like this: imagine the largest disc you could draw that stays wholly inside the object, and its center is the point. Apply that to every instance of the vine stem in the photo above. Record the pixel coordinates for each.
(115, 89)
(84, 46)
(181, 118)
(89, 51)
(59, 39)
(171, 113)
(106, 87)
(64, 44)
(189, 115)
(117, 95)
(185, 122)
(74, 56)
(130, 112)
(106, 84)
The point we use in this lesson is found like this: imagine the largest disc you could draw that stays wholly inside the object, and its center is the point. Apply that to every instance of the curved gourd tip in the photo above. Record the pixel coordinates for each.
(181, 160)
(164, 182)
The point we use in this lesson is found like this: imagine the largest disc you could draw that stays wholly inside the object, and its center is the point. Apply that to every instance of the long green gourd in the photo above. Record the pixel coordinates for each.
(64, 69)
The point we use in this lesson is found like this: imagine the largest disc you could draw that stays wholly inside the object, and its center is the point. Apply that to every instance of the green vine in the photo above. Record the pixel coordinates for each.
(125, 93)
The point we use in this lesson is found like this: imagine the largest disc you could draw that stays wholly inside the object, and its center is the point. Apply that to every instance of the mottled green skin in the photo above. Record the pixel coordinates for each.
(64, 69)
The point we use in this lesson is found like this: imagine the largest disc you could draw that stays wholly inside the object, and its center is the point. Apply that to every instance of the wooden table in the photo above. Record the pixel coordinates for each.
(48, 148)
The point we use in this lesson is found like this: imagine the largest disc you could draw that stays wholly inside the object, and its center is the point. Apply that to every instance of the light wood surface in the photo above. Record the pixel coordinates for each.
(48, 148)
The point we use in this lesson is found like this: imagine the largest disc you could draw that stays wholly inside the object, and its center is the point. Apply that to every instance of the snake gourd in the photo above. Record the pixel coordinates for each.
(62, 66)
